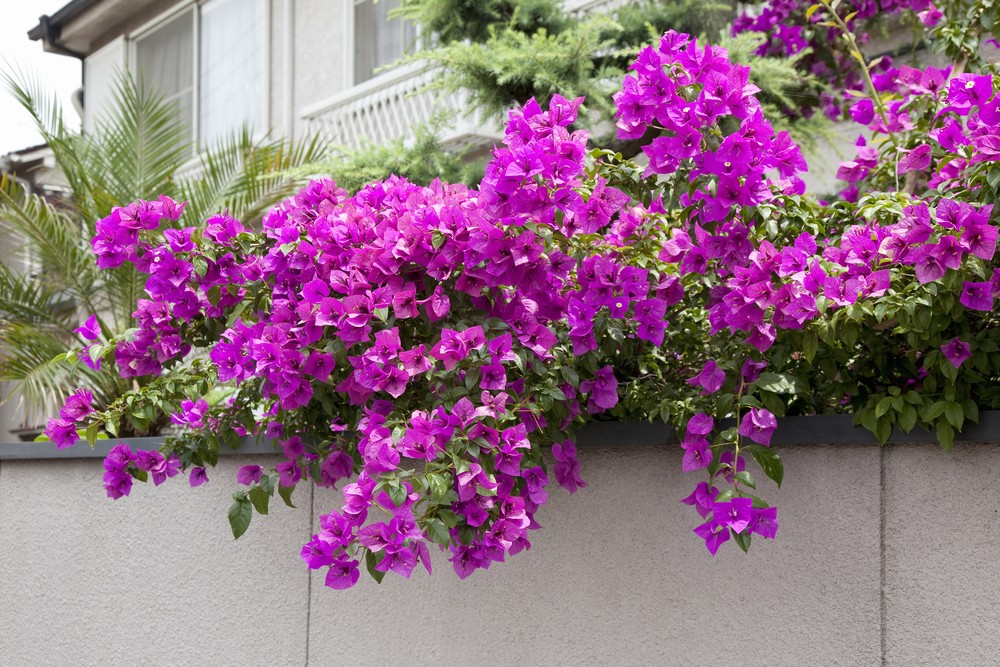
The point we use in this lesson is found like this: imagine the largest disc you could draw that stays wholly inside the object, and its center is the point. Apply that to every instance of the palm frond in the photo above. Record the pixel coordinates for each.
(27, 300)
(136, 148)
(245, 177)
(59, 243)
(42, 383)
(44, 109)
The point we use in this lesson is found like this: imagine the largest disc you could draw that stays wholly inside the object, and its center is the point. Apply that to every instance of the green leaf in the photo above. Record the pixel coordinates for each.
(769, 462)
(746, 479)
(437, 531)
(931, 412)
(724, 496)
(883, 430)
(810, 345)
(907, 418)
(267, 484)
(955, 415)
(286, 494)
(866, 418)
(240, 513)
(742, 539)
(780, 383)
(371, 560)
(92, 434)
(971, 411)
(945, 435)
(260, 499)
(448, 517)
(883, 407)
(397, 493)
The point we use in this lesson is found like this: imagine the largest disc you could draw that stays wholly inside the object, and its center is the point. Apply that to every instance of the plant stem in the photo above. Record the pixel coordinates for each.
(855, 52)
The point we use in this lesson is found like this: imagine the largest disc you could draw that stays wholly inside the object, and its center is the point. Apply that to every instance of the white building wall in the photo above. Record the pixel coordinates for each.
(323, 57)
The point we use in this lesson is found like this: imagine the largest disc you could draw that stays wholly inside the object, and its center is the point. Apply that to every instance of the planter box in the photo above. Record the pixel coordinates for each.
(818, 429)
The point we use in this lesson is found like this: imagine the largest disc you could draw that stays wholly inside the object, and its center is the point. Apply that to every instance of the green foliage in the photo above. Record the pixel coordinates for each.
(504, 53)
(511, 65)
(139, 151)
(460, 20)
(783, 85)
(645, 21)
(420, 160)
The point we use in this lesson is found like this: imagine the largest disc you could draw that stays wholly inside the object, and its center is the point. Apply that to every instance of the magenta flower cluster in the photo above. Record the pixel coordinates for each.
(419, 346)
(353, 285)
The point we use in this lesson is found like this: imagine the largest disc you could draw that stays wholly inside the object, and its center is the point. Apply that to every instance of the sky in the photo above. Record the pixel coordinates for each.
(60, 74)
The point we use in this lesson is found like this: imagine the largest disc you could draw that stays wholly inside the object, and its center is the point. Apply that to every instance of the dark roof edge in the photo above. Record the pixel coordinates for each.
(63, 15)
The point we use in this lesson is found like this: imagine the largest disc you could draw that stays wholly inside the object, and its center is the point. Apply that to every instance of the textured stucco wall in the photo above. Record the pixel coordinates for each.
(155, 579)
(942, 543)
(613, 578)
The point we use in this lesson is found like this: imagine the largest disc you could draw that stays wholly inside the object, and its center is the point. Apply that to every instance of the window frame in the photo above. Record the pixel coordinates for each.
(349, 50)
(196, 6)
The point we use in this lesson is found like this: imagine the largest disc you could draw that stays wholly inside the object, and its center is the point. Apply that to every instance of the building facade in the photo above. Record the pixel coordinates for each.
(283, 67)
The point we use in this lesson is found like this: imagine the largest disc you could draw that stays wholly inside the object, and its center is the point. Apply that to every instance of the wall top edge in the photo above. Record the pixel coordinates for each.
(809, 430)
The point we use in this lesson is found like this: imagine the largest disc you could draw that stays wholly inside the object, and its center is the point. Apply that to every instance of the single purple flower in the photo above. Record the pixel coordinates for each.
(758, 425)
(700, 424)
(726, 464)
(697, 453)
(248, 475)
(863, 111)
(702, 498)
(494, 377)
(342, 574)
(733, 513)
(90, 330)
(293, 448)
(289, 473)
(62, 432)
(764, 522)
(318, 553)
(751, 370)
(977, 296)
(336, 466)
(710, 379)
(77, 406)
(603, 390)
(165, 468)
(567, 466)
(918, 159)
(713, 534)
(198, 476)
(956, 351)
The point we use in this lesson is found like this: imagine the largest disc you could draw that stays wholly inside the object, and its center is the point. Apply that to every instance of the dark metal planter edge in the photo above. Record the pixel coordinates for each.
(811, 430)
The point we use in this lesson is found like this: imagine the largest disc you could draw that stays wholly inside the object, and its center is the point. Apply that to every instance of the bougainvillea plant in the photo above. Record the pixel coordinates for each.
(421, 347)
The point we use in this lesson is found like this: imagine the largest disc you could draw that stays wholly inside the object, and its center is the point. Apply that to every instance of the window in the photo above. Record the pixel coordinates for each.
(233, 67)
(211, 61)
(164, 61)
(378, 40)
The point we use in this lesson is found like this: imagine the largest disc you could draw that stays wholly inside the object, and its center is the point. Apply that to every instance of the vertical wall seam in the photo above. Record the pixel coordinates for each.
(309, 579)
(881, 550)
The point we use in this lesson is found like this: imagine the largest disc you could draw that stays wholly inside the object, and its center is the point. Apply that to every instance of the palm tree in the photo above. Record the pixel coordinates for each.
(139, 151)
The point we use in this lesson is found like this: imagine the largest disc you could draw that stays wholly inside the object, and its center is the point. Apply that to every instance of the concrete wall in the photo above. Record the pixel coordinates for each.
(883, 557)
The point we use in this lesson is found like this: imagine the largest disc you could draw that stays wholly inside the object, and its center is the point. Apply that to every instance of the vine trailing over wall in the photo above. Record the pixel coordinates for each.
(422, 346)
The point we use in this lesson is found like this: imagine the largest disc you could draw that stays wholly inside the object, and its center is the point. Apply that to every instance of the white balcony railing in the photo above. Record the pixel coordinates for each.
(389, 106)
